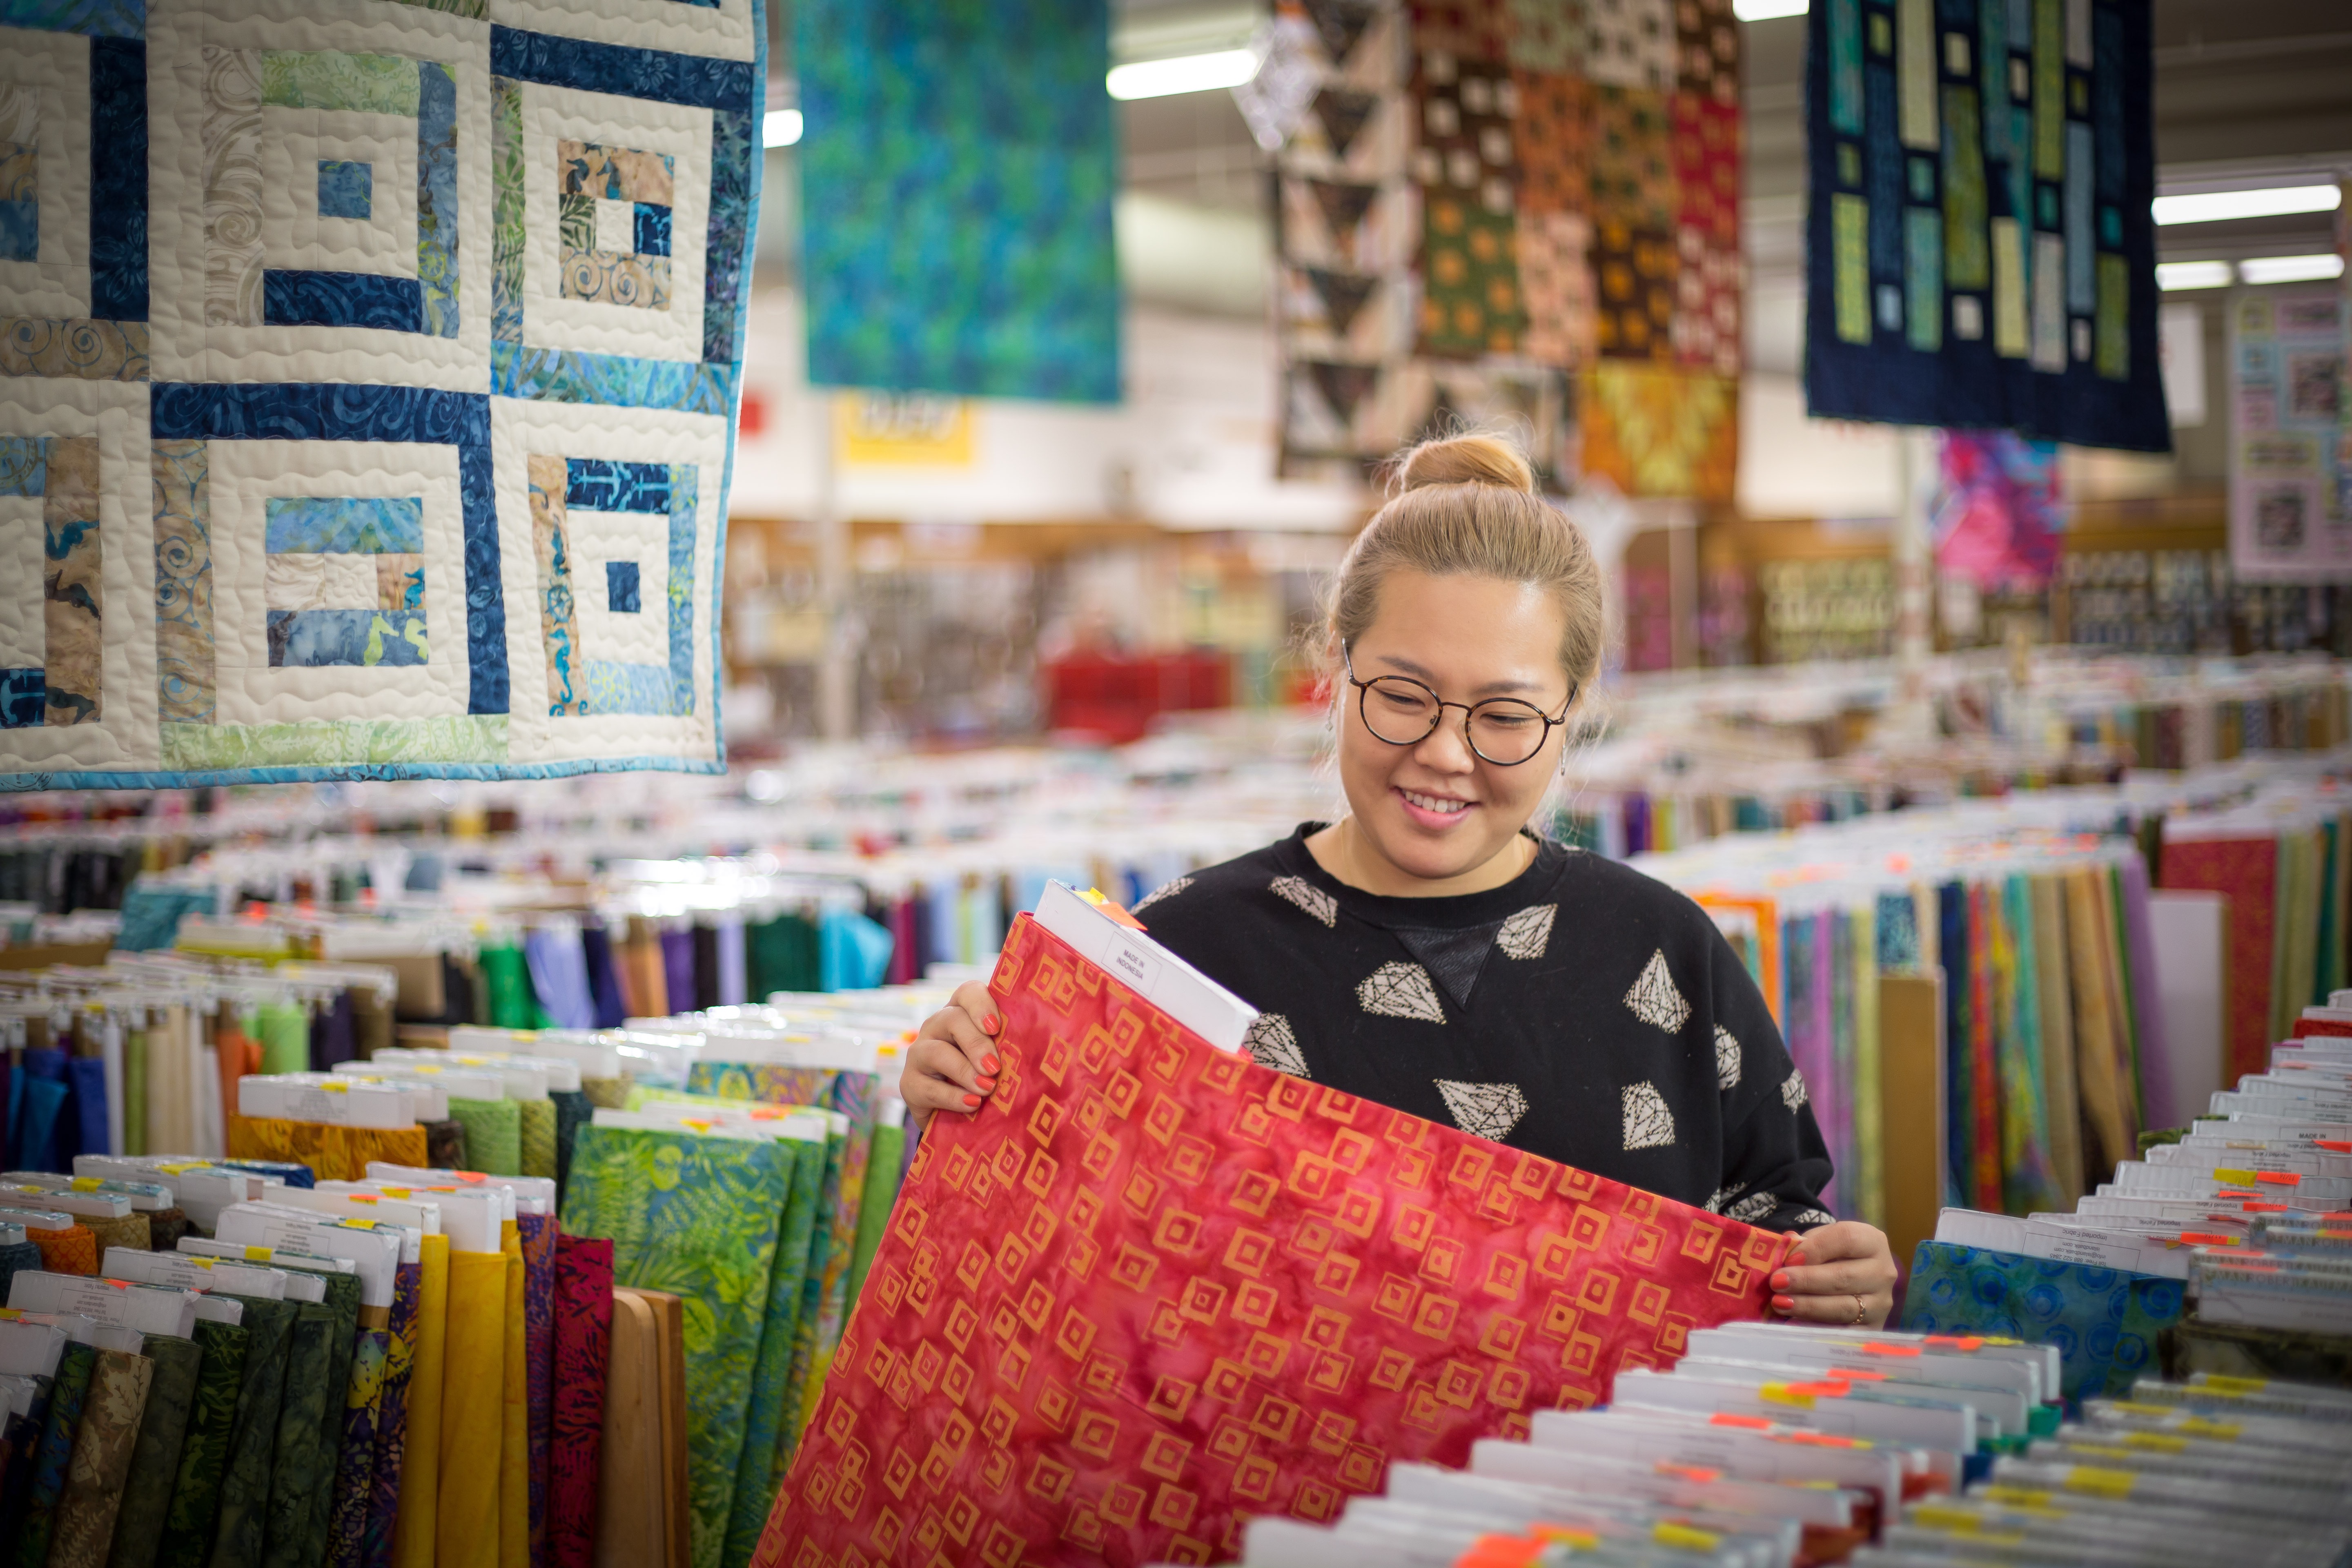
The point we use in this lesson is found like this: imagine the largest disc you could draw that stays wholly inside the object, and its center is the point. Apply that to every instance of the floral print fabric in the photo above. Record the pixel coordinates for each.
(101, 1460)
(584, 1339)
(155, 1460)
(539, 1235)
(187, 1538)
(2104, 1322)
(51, 1459)
(1152, 1289)
(333, 1153)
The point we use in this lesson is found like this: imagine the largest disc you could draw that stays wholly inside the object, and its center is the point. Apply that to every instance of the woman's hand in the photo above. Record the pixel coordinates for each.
(1842, 1274)
(952, 1064)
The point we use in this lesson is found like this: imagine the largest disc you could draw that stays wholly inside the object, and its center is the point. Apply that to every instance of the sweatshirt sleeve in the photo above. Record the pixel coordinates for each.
(1775, 1162)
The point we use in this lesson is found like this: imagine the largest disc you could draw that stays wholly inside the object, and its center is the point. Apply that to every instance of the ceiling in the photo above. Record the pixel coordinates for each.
(2247, 92)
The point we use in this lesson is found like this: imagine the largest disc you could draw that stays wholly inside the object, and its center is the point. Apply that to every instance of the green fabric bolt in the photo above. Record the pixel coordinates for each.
(284, 1031)
(804, 1222)
(493, 1134)
(572, 1112)
(445, 1145)
(155, 1460)
(605, 1093)
(101, 1459)
(165, 1226)
(186, 1540)
(22, 1438)
(511, 999)
(54, 1455)
(15, 1258)
(303, 1471)
(811, 1353)
(242, 1514)
(536, 1137)
(697, 1215)
(755, 1478)
(345, 1302)
(882, 1175)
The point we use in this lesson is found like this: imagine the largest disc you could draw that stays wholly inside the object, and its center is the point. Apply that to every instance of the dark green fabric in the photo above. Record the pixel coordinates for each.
(303, 1468)
(445, 1145)
(24, 1440)
(155, 1457)
(572, 1112)
(56, 1452)
(14, 1257)
(798, 1237)
(186, 1541)
(165, 1228)
(345, 1298)
(781, 955)
(237, 1530)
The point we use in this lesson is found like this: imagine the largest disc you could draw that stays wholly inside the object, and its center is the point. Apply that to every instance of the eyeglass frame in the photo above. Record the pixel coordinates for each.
(1347, 663)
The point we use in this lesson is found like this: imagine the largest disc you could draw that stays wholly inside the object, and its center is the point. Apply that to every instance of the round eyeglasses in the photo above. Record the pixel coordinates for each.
(1401, 712)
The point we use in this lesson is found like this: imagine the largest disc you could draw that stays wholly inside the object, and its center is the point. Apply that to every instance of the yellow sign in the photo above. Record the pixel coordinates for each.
(909, 430)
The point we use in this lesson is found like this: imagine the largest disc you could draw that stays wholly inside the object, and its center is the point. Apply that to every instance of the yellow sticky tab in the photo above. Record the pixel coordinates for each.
(2201, 1426)
(1939, 1518)
(1785, 1393)
(1561, 1535)
(199, 1262)
(2100, 1481)
(1689, 1538)
(335, 1086)
(181, 1170)
(401, 1192)
(10, 1314)
(2018, 1497)
(85, 1184)
(259, 1255)
(2238, 1385)
(2128, 1408)
(2232, 1174)
(355, 1223)
(2156, 1442)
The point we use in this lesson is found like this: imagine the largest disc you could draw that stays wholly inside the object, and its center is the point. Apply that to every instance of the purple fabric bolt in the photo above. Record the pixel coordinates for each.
(2157, 1088)
(677, 968)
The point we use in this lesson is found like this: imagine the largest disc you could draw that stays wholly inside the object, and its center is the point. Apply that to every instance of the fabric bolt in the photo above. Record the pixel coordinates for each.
(392, 1413)
(583, 1330)
(767, 1412)
(558, 962)
(535, 1138)
(573, 1110)
(165, 1226)
(697, 1217)
(68, 1395)
(513, 1005)
(2104, 1322)
(242, 1517)
(813, 1337)
(293, 1173)
(2054, 995)
(884, 1166)
(302, 1463)
(2245, 870)
(73, 1250)
(706, 966)
(1123, 1197)
(419, 1480)
(537, 1235)
(332, 1152)
(130, 1230)
(445, 1146)
(21, 1440)
(677, 968)
(2240, 1350)
(342, 1346)
(186, 1538)
(153, 1470)
(285, 1036)
(134, 1092)
(14, 1258)
(603, 977)
(514, 1415)
(83, 1529)
(802, 1246)
(473, 1418)
(354, 1479)
(493, 1133)
(605, 1093)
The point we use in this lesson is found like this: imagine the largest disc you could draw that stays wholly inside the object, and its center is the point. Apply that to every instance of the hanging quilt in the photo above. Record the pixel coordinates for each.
(1982, 255)
(957, 174)
(2291, 439)
(1152, 1289)
(367, 383)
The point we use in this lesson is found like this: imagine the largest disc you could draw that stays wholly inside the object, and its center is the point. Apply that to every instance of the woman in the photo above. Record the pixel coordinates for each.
(1429, 952)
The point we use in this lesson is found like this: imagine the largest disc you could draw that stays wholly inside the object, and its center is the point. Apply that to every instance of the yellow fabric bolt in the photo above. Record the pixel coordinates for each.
(420, 1475)
(473, 1416)
(514, 1452)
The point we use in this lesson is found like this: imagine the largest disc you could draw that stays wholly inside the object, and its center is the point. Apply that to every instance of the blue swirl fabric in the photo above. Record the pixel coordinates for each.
(2104, 1322)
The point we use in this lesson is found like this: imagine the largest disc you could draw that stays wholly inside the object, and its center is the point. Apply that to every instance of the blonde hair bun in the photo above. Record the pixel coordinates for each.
(1471, 460)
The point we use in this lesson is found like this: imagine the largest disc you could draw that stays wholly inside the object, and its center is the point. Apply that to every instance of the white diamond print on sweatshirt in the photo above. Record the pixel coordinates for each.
(1648, 1124)
(1299, 890)
(1165, 890)
(1400, 991)
(1793, 1093)
(1272, 1044)
(1726, 1059)
(1527, 933)
(1654, 1000)
(1484, 1109)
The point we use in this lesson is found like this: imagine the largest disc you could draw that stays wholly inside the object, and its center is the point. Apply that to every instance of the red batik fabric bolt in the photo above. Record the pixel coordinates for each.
(1152, 1289)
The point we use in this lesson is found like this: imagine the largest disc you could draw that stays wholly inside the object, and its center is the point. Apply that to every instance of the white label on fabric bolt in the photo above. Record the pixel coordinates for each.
(1140, 968)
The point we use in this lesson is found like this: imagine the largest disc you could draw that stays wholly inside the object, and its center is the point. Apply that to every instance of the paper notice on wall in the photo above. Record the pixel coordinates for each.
(2291, 452)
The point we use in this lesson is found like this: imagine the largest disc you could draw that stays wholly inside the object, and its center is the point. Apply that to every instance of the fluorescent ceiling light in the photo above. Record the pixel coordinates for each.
(1765, 10)
(780, 128)
(1186, 73)
(2290, 269)
(2217, 206)
(2172, 275)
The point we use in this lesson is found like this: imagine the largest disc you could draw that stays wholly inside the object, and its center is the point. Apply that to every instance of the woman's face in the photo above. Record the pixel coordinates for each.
(1436, 810)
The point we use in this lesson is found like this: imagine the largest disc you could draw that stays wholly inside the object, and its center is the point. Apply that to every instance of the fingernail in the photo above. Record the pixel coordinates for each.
(971, 1100)
(986, 1084)
(1780, 1280)
(1784, 1303)
(991, 1022)
(988, 1064)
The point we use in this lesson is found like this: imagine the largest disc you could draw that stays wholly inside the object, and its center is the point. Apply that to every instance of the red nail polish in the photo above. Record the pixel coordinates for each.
(991, 1022)
(1784, 1304)
(1780, 1280)
(988, 1066)
(986, 1084)
(970, 1101)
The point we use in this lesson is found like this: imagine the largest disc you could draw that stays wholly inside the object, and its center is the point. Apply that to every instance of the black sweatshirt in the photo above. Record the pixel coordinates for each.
(1582, 1011)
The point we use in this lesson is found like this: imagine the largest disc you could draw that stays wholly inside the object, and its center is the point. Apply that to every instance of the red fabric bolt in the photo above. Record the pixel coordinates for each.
(584, 1343)
(1153, 1289)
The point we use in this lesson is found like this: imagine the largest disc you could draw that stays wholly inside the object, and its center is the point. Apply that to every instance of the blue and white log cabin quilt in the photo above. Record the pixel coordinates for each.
(367, 377)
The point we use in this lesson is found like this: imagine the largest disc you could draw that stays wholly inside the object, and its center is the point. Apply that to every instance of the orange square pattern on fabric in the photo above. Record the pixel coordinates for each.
(1152, 1289)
